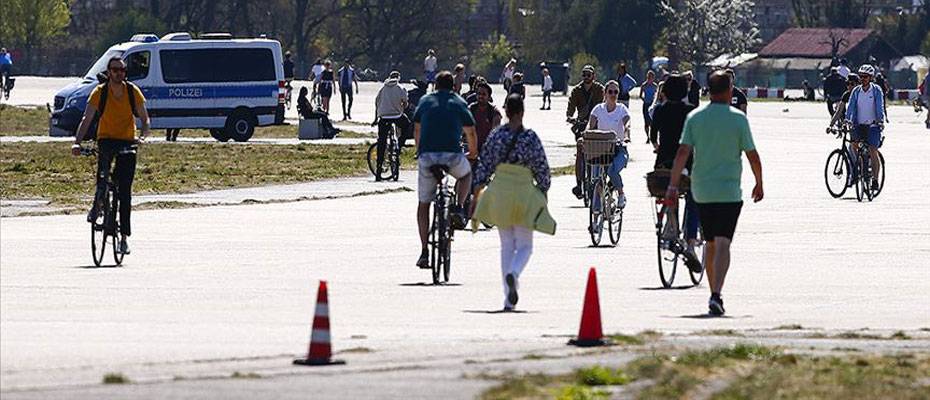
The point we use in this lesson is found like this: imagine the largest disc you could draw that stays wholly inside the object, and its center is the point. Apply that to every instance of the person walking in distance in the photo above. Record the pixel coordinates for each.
(739, 100)
(507, 75)
(316, 72)
(518, 87)
(717, 134)
(487, 117)
(347, 77)
(647, 92)
(429, 67)
(627, 83)
(458, 78)
(118, 102)
(515, 200)
(547, 90)
(327, 81)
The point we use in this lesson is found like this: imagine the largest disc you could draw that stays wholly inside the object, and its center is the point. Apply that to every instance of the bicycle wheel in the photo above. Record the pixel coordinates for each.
(435, 240)
(372, 158)
(667, 257)
(697, 277)
(117, 256)
(836, 173)
(98, 232)
(881, 176)
(586, 186)
(860, 169)
(394, 156)
(865, 178)
(615, 219)
(596, 217)
(446, 248)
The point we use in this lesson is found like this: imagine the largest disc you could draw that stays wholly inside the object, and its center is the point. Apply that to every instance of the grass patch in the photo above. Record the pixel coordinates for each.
(29, 121)
(247, 375)
(601, 376)
(789, 327)
(581, 392)
(48, 171)
(22, 121)
(115, 379)
(530, 386)
(876, 377)
(900, 335)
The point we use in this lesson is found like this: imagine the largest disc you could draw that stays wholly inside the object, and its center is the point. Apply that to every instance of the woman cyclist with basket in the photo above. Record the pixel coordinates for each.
(614, 117)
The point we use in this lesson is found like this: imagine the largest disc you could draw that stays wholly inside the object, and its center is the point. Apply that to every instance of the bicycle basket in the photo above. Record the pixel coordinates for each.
(599, 146)
(657, 181)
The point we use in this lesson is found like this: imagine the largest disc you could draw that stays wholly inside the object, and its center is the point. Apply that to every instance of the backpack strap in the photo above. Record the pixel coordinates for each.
(131, 94)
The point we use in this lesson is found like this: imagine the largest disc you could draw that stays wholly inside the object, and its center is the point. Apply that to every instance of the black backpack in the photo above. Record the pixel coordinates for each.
(131, 94)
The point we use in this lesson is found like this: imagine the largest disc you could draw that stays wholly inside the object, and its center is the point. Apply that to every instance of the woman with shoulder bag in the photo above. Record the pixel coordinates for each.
(515, 199)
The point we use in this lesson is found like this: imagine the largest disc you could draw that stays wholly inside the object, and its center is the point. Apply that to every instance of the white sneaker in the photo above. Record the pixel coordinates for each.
(621, 201)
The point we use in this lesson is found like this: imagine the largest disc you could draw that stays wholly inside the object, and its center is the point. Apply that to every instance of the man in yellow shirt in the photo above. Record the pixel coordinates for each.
(116, 133)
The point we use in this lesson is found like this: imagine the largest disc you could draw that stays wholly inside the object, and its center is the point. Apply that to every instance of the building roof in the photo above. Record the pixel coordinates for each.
(814, 42)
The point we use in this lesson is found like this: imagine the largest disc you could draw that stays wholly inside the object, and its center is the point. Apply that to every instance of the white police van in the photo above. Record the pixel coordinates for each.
(226, 85)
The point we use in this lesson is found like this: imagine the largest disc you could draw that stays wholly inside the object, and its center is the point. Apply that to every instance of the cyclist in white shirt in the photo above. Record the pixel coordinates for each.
(614, 116)
(429, 67)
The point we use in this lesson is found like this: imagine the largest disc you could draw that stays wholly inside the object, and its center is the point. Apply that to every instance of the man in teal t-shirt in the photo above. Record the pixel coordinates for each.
(440, 121)
(718, 135)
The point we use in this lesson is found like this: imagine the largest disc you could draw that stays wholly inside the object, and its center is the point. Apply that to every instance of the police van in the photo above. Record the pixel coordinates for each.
(226, 85)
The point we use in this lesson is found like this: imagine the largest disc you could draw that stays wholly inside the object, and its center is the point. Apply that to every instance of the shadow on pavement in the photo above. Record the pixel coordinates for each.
(665, 288)
(708, 316)
(417, 284)
(92, 266)
(499, 312)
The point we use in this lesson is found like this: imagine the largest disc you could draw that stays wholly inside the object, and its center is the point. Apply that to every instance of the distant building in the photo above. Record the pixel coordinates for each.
(801, 54)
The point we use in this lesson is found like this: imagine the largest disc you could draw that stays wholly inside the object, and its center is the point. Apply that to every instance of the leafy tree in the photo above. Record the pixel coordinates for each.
(491, 56)
(831, 13)
(32, 24)
(701, 30)
(127, 24)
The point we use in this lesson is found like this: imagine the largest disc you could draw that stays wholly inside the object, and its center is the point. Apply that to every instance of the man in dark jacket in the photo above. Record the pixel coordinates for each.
(833, 87)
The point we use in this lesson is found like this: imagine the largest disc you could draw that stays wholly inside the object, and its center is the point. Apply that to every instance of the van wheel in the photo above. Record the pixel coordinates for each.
(219, 134)
(241, 125)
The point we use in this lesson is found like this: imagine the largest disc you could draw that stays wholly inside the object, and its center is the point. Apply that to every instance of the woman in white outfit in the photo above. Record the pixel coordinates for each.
(614, 116)
(515, 200)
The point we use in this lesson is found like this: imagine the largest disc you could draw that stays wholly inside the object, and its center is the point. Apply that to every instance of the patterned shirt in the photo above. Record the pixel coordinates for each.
(527, 151)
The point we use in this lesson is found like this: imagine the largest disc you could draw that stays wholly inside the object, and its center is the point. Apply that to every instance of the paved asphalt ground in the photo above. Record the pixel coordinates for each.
(208, 292)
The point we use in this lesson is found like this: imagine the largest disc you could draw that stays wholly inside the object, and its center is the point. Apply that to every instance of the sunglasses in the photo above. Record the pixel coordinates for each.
(865, 76)
(613, 92)
(118, 69)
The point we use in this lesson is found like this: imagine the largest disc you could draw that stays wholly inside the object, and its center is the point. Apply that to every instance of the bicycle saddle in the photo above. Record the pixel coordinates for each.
(439, 171)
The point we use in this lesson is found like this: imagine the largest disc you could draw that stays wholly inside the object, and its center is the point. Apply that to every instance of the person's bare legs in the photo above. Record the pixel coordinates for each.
(423, 223)
(710, 250)
(462, 188)
(721, 264)
(876, 165)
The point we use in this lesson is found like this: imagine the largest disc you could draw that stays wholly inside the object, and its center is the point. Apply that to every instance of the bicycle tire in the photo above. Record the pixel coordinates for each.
(667, 258)
(98, 233)
(372, 158)
(446, 248)
(865, 177)
(586, 186)
(837, 171)
(394, 155)
(615, 220)
(114, 209)
(881, 178)
(699, 247)
(596, 219)
(435, 256)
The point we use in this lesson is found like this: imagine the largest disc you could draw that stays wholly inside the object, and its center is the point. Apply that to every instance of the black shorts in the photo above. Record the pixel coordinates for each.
(719, 219)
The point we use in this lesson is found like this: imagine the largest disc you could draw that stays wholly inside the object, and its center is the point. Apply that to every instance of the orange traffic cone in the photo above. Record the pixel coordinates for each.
(320, 352)
(590, 333)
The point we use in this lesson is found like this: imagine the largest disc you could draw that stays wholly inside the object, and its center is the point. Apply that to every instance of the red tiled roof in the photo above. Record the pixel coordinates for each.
(812, 42)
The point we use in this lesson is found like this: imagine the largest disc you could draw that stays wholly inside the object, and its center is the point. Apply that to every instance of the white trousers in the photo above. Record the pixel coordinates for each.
(516, 248)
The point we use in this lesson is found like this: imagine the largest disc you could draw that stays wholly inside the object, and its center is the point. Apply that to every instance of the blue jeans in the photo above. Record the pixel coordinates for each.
(613, 172)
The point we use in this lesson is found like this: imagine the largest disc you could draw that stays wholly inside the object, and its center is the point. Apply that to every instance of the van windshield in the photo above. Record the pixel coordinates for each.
(101, 64)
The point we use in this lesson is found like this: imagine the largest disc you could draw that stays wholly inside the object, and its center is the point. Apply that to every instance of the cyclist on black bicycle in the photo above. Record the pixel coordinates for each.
(866, 112)
(584, 96)
(118, 102)
(389, 109)
(6, 68)
(439, 122)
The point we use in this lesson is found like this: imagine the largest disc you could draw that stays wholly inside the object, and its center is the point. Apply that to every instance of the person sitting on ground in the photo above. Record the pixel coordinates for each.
(518, 87)
(515, 200)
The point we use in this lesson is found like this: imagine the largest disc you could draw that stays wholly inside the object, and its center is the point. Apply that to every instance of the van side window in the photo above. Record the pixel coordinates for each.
(218, 65)
(137, 65)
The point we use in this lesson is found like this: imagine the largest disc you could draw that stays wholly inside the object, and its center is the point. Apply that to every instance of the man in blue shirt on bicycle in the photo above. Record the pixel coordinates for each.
(866, 112)
(439, 122)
